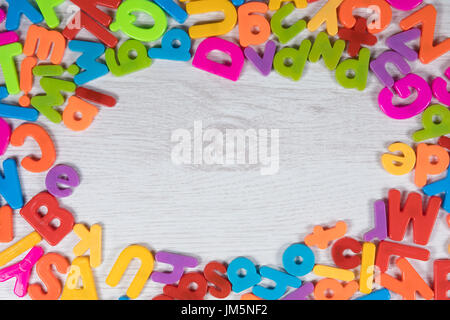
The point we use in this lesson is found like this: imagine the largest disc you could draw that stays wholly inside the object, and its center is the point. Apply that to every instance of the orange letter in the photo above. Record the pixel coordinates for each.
(45, 144)
(75, 106)
(427, 17)
(45, 272)
(426, 165)
(253, 29)
(410, 284)
(46, 39)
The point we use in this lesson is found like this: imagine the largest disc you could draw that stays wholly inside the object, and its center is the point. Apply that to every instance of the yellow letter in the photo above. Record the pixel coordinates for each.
(24, 244)
(90, 240)
(80, 269)
(122, 262)
(215, 28)
(399, 165)
(367, 268)
(327, 14)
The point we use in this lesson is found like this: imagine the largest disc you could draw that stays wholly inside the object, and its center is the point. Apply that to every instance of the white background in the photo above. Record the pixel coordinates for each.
(331, 140)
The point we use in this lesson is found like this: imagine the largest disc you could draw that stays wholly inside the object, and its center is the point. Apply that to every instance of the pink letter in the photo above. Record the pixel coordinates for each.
(402, 87)
(231, 71)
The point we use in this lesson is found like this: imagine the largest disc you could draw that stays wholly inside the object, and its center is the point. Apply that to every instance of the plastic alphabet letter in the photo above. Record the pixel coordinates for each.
(378, 67)
(380, 217)
(40, 41)
(410, 284)
(83, 21)
(432, 128)
(427, 17)
(282, 282)
(44, 269)
(322, 238)
(437, 187)
(301, 293)
(241, 281)
(42, 138)
(5, 135)
(173, 9)
(8, 36)
(264, 64)
(184, 292)
(249, 21)
(212, 29)
(121, 264)
(423, 222)
(6, 224)
(10, 187)
(333, 273)
(16, 112)
(125, 20)
(95, 97)
(404, 5)
(201, 61)
(15, 11)
(440, 91)
(328, 14)
(290, 62)
(399, 164)
(398, 42)
(285, 34)
(359, 66)
(8, 66)
(22, 271)
(441, 284)
(90, 7)
(387, 249)
(322, 48)
(383, 10)
(88, 61)
(170, 52)
(24, 244)
(431, 159)
(357, 36)
(53, 97)
(222, 287)
(46, 7)
(346, 261)
(61, 175)
(382, 294)
(45, 224)
(126, 64)
(340, 291)
(403, 88)
(179, 263)
(290, 263)
(367, 267)
(80, 270)
(76, 107)
(91, 239)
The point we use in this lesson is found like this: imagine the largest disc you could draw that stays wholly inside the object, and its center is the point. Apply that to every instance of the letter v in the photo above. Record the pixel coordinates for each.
(264, 64)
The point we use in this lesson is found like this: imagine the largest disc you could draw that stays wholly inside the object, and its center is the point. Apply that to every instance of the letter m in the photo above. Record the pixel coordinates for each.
(40, 41)
(399, 218)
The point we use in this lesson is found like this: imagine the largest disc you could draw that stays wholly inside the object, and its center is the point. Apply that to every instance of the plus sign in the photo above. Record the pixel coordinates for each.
(357, 36)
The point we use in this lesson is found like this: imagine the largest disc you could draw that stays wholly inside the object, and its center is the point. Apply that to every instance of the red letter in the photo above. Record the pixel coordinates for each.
(399, 219)
(43, 224)
(222, 287)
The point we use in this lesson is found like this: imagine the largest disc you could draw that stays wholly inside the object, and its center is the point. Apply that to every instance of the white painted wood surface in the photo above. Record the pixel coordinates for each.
(331, 140)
